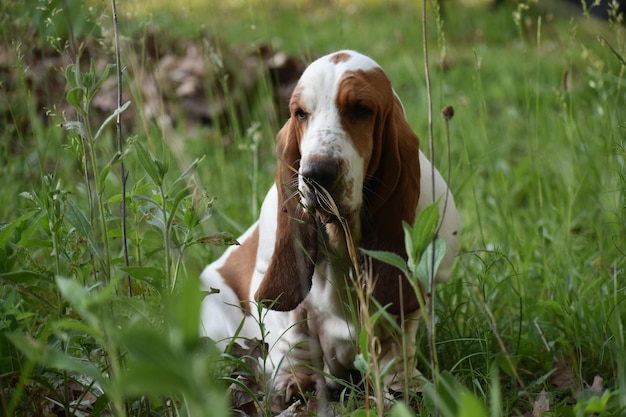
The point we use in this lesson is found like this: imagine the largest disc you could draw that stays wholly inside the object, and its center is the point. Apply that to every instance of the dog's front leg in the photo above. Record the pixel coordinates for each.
(298, 360)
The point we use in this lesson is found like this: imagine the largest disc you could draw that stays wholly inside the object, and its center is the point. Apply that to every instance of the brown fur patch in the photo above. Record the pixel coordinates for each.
(364, 99)
(373, 117)
(289, 275)
(238, 269)
(340, 57)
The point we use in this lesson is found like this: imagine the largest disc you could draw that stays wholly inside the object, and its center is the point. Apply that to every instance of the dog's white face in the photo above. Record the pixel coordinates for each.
(335, 103)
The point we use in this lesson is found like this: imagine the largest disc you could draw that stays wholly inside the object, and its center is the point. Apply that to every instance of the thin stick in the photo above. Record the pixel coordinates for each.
(120, 145)
(431, 279)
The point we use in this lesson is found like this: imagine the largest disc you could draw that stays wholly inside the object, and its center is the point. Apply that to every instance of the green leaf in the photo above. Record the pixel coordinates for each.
(190, 170)
(470, 406)
(70, 76)
(6, 231)
(25, 277)
(75, 97)
(162, 167)
(101, 80)
(150, 379)
(148, 163)
(88, 78)
(77, 326)
(595, 404)
(426, 267)
(390, 258)
(412, 260)
(149, 274)
(364, 345)
(48, 357)
(84, 301)
(110, 119)
(174, 207)
(77, 219)
(401, 410)
(424, 228)
(452, 398)
(78, 297)
(182, 311)
(361, 364)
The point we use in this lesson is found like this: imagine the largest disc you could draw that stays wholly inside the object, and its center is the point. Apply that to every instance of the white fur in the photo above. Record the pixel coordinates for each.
(324, 136)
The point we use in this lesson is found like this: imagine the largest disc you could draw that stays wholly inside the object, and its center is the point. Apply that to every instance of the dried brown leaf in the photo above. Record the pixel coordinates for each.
(541, 405)
(597, 387)
(241, 395)
(564, 376)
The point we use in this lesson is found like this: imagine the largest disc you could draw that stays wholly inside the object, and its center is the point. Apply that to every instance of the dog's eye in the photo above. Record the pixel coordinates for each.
(301, 115)
(359, 112)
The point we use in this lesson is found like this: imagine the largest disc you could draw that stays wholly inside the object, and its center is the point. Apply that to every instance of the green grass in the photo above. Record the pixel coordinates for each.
(538, 167)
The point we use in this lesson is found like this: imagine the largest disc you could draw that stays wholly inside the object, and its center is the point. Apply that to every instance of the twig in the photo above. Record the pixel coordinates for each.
(120, 144)
(431, 279)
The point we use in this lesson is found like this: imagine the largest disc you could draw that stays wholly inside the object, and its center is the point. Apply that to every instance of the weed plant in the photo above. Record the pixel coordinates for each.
(533, 319)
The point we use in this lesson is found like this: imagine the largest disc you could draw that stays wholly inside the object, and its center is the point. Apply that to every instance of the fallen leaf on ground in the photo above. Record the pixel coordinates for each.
(541, 405)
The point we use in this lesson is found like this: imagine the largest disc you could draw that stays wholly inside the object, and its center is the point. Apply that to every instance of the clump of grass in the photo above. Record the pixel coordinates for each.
(77, 339)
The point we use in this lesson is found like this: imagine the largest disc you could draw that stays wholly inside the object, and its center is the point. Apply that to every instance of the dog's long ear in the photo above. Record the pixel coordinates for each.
(392, 192)
(288, 278)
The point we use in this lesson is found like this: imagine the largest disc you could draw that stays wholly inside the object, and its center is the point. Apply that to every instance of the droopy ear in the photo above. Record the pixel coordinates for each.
(288, 278)
(393, 192)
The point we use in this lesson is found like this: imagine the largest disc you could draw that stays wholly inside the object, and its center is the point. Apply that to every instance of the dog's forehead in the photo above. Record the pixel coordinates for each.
(321, 78)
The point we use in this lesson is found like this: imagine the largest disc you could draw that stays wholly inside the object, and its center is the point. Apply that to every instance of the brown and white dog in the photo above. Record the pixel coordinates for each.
(347, 139)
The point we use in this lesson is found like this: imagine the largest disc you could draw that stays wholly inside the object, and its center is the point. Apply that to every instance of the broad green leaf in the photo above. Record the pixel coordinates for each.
(75, 97)
(452, 398)
(148, 163)
(77, 219)
(423, 229)
(151, 379)
(70, 76)
(149, 274)
(46, 356)
(390, 258)
(78, 326)
(364, 344)
(182, 311)
(426, 266)
(88, 78)
(6, 231)
(401, 410)
(361, 364)
(78, 297)
(25, 277)
(470, 406)
(596, 404)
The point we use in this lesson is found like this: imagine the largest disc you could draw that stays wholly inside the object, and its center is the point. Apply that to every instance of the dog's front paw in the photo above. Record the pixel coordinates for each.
(290, 387)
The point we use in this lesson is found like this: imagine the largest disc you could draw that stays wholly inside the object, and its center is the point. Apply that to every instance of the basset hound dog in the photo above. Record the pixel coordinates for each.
(349, 171)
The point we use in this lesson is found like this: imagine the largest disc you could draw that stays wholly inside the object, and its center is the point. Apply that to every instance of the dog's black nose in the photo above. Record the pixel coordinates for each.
(321, 173)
